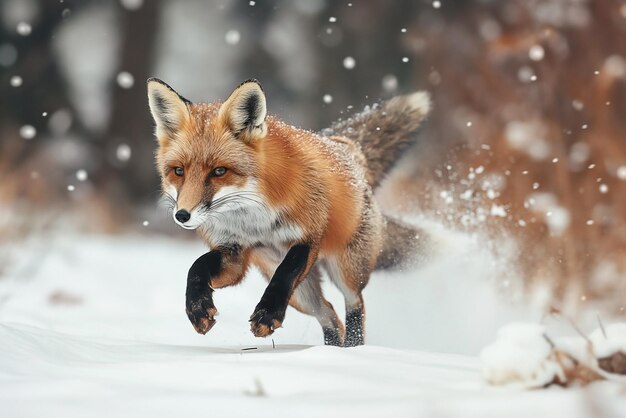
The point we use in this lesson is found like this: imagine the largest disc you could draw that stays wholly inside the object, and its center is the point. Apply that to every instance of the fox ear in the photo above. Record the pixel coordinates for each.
(245, 111)
(168, 108)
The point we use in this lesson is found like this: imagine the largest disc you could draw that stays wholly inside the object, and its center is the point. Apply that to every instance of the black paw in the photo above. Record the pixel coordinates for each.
(264, 321)
(354, 328)
(201, 312)
(332, 336)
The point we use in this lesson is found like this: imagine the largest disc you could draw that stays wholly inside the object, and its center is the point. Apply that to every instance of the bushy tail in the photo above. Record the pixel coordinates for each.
(404, 246)
(384, 131)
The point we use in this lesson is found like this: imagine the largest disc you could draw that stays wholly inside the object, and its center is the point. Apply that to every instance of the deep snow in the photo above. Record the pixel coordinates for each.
(115, 341)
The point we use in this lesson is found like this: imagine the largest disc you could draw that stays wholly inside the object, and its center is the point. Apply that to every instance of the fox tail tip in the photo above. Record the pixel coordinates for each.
(419, 101)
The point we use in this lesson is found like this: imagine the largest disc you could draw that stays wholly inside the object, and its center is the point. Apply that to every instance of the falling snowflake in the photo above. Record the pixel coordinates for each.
(498, 211)
(390, 83)
(28, 132)
(123, 152)
(349, 63)
(536, 53)
(232, 37)
(16, 81)
(615, 65)
(327, 98)
(81, 175)
(578, 105)
(132, 4)
(24, 28)
(526, 74)
(125, 80)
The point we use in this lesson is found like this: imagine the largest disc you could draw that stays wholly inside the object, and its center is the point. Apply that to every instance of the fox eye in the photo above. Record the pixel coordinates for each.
(219, 171)
(179, 171)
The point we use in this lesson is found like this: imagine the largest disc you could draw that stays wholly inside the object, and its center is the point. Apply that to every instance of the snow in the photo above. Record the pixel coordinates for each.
(578, 104)
(16, 81)
(132, 4)
(125, 79)
(536, 53)
(81, 175)
(123, 152)
(615, 66)
(528, 137)
(390, 83)
(28, 132)
(498, 211)
(525, 74)
(349, 63)
(613, 342)
(24, 28)
(95, 326)
(232, 37)
(521, 355)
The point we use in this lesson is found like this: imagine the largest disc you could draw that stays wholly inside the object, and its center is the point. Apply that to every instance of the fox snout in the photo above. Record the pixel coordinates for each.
(192, 203)
(190, 218)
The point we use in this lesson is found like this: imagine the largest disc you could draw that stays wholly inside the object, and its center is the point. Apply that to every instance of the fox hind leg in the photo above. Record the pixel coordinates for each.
(355, 323)
(309, 299)
(350, 270)
(350, 279)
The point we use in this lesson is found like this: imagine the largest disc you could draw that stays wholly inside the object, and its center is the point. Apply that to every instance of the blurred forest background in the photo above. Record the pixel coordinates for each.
(527, 139)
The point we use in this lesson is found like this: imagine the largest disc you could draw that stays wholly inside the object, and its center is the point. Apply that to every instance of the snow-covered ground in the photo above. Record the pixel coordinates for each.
(95, 326)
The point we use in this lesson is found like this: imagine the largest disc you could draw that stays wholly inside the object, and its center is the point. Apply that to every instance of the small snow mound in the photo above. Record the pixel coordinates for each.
(520, 356)
(613, 342)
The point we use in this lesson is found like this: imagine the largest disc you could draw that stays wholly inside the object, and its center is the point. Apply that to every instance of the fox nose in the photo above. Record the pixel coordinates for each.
(182, 216)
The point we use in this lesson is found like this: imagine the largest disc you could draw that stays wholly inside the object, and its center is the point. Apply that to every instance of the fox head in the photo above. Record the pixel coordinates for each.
(208, 155)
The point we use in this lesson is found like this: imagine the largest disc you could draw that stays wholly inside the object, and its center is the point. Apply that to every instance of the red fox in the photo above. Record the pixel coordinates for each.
(289, 201)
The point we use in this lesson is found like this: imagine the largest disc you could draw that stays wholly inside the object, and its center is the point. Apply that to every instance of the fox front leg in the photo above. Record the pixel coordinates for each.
(270, 311)
(221, 267)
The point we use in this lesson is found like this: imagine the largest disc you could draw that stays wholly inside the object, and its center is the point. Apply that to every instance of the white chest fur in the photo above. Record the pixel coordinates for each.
(242, 216)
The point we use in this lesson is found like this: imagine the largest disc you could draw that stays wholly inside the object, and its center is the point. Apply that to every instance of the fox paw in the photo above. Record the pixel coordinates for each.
(263, 322)
(201, 312)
